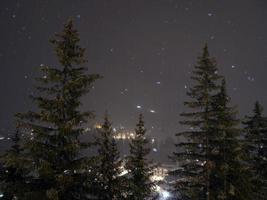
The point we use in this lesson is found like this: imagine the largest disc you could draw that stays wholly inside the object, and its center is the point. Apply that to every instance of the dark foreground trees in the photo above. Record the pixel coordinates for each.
(194, 142)
(13, 176)
(210, 152)
(110, 185)
(52, 147)
(229, 177)
(47, 160)
(256, 150)
(139, 168)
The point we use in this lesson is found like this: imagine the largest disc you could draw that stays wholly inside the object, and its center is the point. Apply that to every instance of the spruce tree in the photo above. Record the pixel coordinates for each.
(194, 150)
(139, 168)
(229, 177)
(109, 168)
(256, 149)
(54, 146)
(13, 178)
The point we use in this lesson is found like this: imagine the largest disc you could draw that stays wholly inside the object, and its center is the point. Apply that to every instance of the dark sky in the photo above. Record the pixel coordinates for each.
(145, 49)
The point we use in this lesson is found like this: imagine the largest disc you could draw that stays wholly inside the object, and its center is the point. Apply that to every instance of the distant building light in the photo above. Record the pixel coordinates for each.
(98, 126)
(124, 135)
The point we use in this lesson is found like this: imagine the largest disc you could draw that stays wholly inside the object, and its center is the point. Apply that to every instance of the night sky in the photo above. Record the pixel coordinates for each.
(145, 49)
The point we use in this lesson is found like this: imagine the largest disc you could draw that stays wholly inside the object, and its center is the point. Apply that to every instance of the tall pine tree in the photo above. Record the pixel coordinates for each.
(109, 169)
(194, 150)
(54, 147)
(229, 177)
(139, 168)
(256, 149)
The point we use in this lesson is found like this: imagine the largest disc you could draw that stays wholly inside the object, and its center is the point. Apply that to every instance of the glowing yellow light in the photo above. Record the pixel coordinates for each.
(98, 126)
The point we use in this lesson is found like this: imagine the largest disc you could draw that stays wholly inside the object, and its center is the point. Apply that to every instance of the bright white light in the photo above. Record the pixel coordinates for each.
(158, 82)
(67, 171)
(1, 195)
(155, 150)
(123, 173)
(203, 163)
(2, 138)
(152, 111)
(165, 194)
(139, 107)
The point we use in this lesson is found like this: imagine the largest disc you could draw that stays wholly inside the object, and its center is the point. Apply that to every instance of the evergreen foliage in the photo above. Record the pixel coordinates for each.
(47, 160)
(256, 149)
(229, 177)
(109, 169)
(13, 173)
(139, 168)
(57, 166)
(195, 147)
